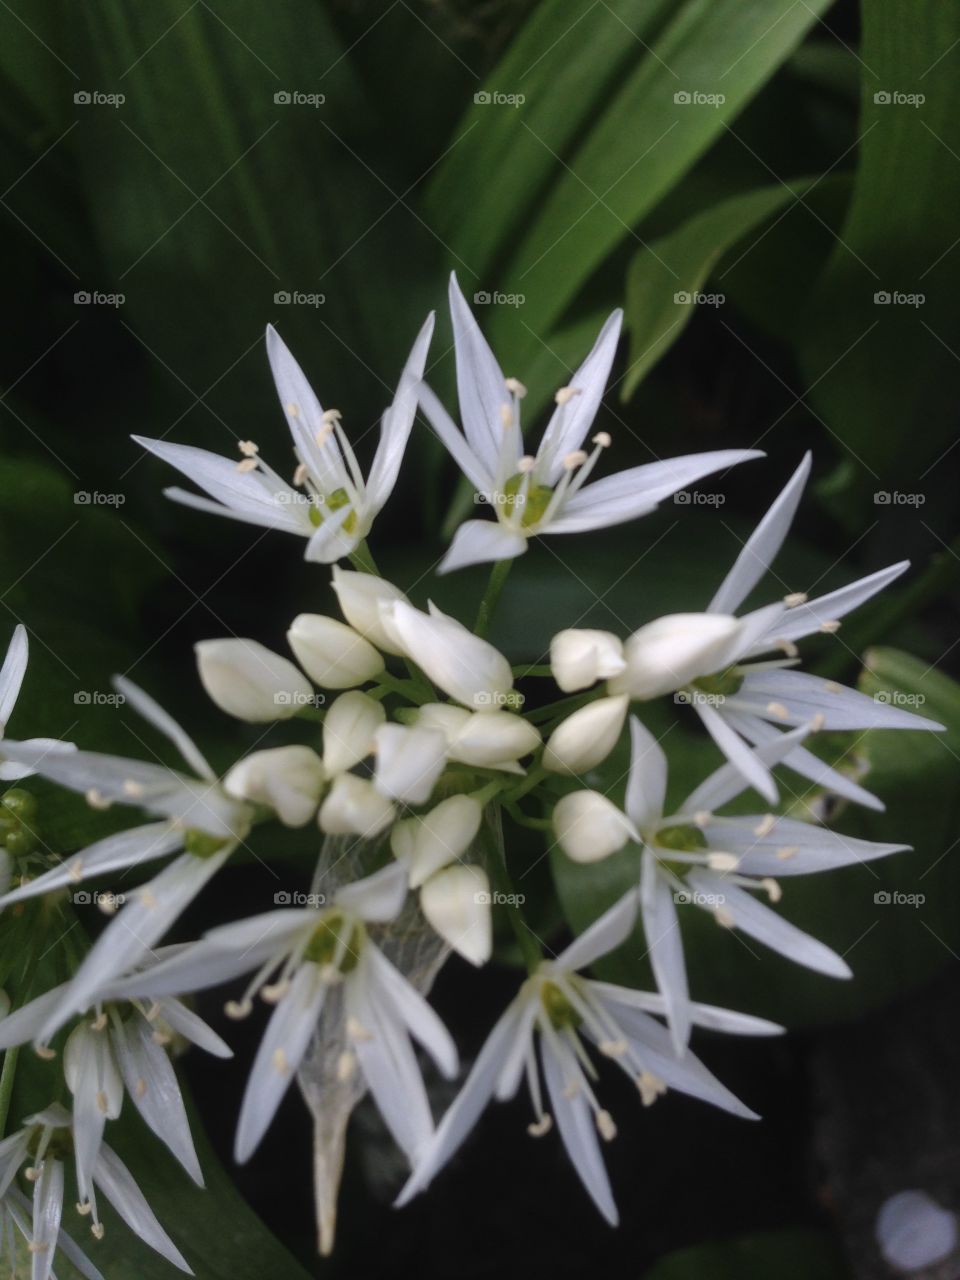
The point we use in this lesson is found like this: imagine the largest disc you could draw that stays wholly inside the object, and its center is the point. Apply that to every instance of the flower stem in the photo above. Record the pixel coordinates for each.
(361, 559)
(6, 1084)
(498, 576)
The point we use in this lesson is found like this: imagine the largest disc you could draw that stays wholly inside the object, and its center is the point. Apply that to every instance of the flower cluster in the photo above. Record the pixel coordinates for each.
(416, 749)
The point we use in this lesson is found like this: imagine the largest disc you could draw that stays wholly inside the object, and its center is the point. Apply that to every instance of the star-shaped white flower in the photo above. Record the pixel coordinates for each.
(715, 863)
(556, 1011)
(545, 493)
(329, 502)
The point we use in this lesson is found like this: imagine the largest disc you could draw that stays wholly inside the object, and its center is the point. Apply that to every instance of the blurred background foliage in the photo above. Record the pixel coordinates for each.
(792, 161)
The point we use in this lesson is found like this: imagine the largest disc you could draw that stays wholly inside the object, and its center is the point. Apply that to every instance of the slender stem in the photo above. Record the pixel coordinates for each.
(6, 1085)
(498, 576)
(526, 939)
(361, 559)
(555, 710)
(523, 669)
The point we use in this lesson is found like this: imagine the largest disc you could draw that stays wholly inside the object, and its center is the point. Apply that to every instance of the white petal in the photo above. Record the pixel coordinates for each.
(117, 1184)
(571, 421)
(12, 673)
(456, 903)
(665, 948)
(473, 467)
(807, 619)
(349, 728)
(589, 827)
(251, 682)
(415, 1012)
(462, 664)
(727, 782)
(575, 1124)
(331, 653)
(737, 751)
(354, 807)
(192, 1027)
(481, 386)
(47, 1212)
(360, 596)
(161, 720)
(397, 421)
(409, 760)
(803, 697)
(585, 739)
(441, 836)
(605, 934)
(701, 1015)
(377, 898)
(482, 542)
(790, 848)
(647, 779)
(581, 657)
(24, 1023)
(762, 546)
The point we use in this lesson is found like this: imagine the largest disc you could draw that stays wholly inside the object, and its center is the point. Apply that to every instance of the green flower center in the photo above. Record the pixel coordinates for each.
(557, 1007)
(532, 504)
(203, 845)
(683, 838)
(335, 501)
(335, 936)
(18, 812)
(725, 683)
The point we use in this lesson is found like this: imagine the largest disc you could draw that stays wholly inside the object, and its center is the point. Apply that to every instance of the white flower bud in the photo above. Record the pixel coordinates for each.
(486, 740)
(247, 680)
(590, 827)
(409, 761)
(579, 658)
(442, 835)
(348, 730)
(288, 779)
(670, 652)
(331, 653)
(460, 663)
(586, 737)
(354, 807)
(456, 902)
(360, 596)
(450, 720)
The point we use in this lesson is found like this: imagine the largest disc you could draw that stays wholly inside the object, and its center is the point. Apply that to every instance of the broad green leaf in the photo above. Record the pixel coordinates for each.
(885, 374)
(665, 277)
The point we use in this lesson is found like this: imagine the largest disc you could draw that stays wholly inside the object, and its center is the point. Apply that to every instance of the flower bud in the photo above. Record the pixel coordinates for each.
(590, 827)
(456, 902)
(409, 761)
(487, 740)
(348, 730)
(360, 596)
(354, 807)
(460, 663)
(247, 680)
(670, 652)
(442, 836)
(579, 658)
(331, 653)
(287, 779)
(586, 737)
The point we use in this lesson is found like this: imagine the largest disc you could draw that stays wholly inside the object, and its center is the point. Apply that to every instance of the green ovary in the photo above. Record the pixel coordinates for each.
(203, 845)
(683, 838)
(724, 683)
(335, 501)
(334, 934)
(558, 1008)
(533, 503)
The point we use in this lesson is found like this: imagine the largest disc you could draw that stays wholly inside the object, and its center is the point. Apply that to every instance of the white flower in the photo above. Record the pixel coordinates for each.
(331, 653)
(122, 1049)
(585, 738)
(544, 1030)
(349, 729)
(247, 680)
(579, 658)
(410, 759)
(11, 678)
(360, 596)
(460, 663)
(308, 951)
(547, 493)
(329, 503)
(289, 780)
(742, 704)
(200, 819)
(37, 1150)
(455, 899)
(589, 827)
(485, 739)
(716, 863)
(354, 807)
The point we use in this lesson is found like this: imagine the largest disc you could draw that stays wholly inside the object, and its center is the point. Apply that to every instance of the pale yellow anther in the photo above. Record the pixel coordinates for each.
(605, 1126)
(102, 1102)
(787, 852)
(723, 862)
(107, 904)
(571, 1090)
(31, 1174)
(300, 475)
(613, 1048)
(515, 387)
(293, 410)
(324, 434)
(38, 1246)
(76, 871)
(602, 439)
(83, 1208)
(831, 626)
(357, 1031)
(541, 1126)
(247, 464)
(506, 416)
(132, 788)
(280, 1062)
(331, 415)
(237, 1009)
(788, 647)
(795, 598)
(831, 686)
(765, 825)
(274, 992)
(45, 1052)
(817, 723)
(723, 917)
(651, 1088)
(773, 890)
(98, 1230)
(161, 1038)
(575, 459)
(248, 448)
(702, 817)
(140, 1088)
(329, 973)
(778, 709)
(526, 464)
(346, 1065)
(148, 900)
(97, 800)
(99, 1023)
(566, 394)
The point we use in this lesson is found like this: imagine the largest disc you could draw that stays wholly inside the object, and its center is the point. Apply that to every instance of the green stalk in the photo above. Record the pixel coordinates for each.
(498, 576)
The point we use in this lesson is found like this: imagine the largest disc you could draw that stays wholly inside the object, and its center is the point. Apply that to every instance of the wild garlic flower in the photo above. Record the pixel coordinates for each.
(328, 501)
(545, 493)
(39, 1149)
(11, 678)
(716, 863)
(546, 1029)
(298, 956)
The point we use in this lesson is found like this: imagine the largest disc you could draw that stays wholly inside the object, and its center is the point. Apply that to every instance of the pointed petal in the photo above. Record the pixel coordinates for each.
(473, 467)
(575, 1124)
(701, 1015)
(665, 948)
(12, 673)
(571, 421)
(727, 782)
(397, 422)
(47, 1212)
(807, 619)
(481, 386)
(192, 1027)
(165, 723)
(737, 752)
(378, 897)
(482, 542)
(605, 934)
(647, 779)
(117, 1184)
(789, 847)
(803, 697)
(415, 1012)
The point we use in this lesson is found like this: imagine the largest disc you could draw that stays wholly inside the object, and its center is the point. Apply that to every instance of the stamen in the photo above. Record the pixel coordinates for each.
(161, 1038)
(331, 416)
(795, 598)
(84, 1208)
(45, 1052)
(817, 723)
(602, 440)
(98, 1230)
(76, 871)
(723, 917)
(765, 825)
(830, 627)
(280, 1063)
(274, 992)
(102, 1102)
(723, 861)
(324, 434)
(238, 1009)
(99, 1022)
(32, 1174)
(248, 464)
(346, 1065)
(566, 394)
(97, 800)
(787, 852)
(300, 475)
(574, 460)
(357, 1031)
(141, 1087)
(248, 448)
(132, 788)
(651, 1087)
(515, 387)
(506, 416)
(702, 817)
(788, 647)
(148, 900)
(605, 1125)
(778, 709)
(774, 892)
(831, 686)
(613, 1048)
(293, 410)
(541, 1126)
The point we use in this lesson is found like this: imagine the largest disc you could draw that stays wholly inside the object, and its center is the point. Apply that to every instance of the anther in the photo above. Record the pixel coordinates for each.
(566, 394)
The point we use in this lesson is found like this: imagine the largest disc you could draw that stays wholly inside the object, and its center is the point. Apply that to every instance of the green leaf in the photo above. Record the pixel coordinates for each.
(876, 371)
(665, 276)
